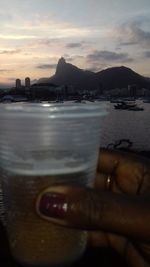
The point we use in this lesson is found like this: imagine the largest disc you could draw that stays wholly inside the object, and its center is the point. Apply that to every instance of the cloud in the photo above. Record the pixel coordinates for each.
(16, 36)
(10, 52)
(5, 70)
(108, 56)
(68, 57)
(39, 25)
(12, 79)
(93, 69)
(147, 54)
(133, 34)
(129, 43)
(41, 42)
(47, 66)
(97, 67)
(74, 45)
(45, 42)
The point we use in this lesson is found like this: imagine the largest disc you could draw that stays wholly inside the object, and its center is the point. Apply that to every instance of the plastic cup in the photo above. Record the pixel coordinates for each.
(42, 145)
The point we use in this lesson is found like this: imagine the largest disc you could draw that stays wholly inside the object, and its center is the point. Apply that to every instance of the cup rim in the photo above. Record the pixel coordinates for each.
(53, 110)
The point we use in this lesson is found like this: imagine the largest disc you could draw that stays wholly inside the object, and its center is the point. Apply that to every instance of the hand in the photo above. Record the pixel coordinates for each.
(117, 209)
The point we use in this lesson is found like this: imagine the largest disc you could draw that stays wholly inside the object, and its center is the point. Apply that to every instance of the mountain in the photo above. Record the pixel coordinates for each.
(69, 74)
(147, 79)
(121, 77)
(115, 77)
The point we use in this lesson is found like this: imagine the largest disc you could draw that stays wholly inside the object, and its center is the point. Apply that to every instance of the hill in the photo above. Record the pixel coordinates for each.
(115, 77)
(121, 77)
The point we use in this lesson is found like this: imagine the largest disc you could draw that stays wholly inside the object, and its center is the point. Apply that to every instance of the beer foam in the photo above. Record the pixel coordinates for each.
(53, 167)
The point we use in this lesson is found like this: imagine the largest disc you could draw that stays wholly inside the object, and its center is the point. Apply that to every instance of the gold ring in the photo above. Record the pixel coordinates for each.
(109, 182)
(110, 178)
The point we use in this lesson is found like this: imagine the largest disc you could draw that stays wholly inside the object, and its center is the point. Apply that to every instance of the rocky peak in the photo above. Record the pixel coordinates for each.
(61, 61)
(60, 65)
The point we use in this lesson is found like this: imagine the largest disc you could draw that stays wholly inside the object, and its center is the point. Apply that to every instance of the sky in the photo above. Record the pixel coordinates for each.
(91, 34)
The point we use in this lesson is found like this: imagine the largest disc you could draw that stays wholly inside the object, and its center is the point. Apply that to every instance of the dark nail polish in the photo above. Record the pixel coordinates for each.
(53, 205)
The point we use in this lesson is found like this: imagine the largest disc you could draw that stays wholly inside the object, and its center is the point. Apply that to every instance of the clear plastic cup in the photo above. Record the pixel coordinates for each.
(42, 145)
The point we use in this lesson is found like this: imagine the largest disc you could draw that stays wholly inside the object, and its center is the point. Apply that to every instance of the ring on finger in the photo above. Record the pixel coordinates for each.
(109, 181)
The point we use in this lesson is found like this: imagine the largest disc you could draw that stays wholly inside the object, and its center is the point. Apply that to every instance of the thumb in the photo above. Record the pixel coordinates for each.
(70, 205)
(88, 209)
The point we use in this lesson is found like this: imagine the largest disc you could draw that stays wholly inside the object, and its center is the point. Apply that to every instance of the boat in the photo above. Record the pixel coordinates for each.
(128, 106)
(116, 101)
(124, 105)
(146, 101)
(90, 100)
(120, 100)
(80, 101)
(59, 101)
(136, 108)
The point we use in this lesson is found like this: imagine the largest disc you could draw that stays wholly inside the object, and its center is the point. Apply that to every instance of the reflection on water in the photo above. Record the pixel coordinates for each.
(124, 124)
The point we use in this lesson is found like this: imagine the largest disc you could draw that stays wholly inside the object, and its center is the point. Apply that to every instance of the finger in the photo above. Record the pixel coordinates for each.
(102, 182)
(122, 246)
(110, 159)
(125, 248)
(131, 172)
(87, 209)
(97, 239)
(134, 258)
(105, 239)
(144, 248)
(107, 160)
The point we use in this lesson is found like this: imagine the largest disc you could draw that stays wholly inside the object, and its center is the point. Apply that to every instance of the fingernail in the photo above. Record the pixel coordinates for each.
(53, 205)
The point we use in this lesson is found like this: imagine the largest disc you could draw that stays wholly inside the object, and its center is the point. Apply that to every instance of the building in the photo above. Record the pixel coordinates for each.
(44, 91)
(18, 83)
(132, 90)
(27, 82)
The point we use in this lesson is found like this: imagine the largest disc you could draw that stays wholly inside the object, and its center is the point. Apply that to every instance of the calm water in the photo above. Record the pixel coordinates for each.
(124, 124)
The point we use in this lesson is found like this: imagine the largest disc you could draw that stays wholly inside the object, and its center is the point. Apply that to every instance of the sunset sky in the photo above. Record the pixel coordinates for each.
(91, 34)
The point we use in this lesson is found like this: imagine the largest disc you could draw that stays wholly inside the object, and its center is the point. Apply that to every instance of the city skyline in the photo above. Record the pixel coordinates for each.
(90, 34)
